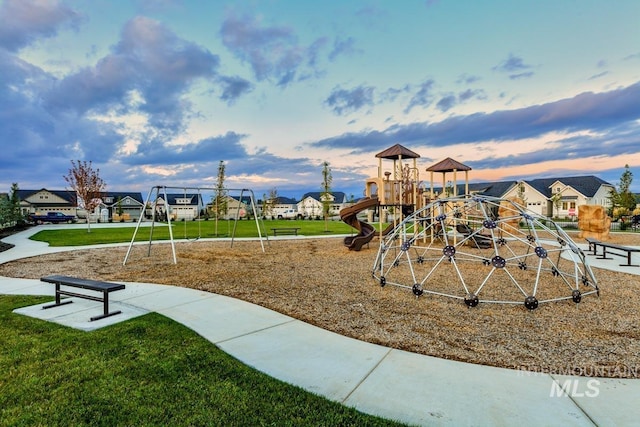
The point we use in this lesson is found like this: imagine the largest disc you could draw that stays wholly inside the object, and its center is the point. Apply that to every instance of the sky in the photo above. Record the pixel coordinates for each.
(160, 92)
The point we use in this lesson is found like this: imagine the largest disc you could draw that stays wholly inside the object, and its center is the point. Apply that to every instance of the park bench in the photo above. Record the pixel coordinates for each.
(625, 251)
(593, 245)
(285, 230)
(91, 285)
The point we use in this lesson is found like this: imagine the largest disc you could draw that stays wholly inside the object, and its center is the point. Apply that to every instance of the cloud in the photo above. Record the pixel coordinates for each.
(153, 151)
(148, 73)
(446, 103)
(149, 60)
(515, 67)
(22, 22)
(343, 47)
(423, 97)
(467, 79)
(272, 52)
(233, 88)
(343, 101)
(612, 114)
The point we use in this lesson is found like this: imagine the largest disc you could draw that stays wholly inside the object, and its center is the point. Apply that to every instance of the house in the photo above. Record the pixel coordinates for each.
(311, 204)
(280, 207)
(122, 205)
(560, 197)
(42, 201)
(238, 207)
(182, 206)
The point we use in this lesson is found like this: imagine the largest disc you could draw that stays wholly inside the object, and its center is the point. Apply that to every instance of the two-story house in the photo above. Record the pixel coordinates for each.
(560, 197)
(551, 197)
(311, 204)
(181, 206)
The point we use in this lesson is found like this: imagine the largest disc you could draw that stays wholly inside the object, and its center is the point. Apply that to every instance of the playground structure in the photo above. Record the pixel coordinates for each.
(396, 193)
(469, 247)
(159, 192)
(484, 249)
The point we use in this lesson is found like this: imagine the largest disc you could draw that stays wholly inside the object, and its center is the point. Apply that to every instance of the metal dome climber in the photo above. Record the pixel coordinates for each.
(484, 249)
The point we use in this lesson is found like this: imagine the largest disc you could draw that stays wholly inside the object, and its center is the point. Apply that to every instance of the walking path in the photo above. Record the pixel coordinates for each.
(411, 388)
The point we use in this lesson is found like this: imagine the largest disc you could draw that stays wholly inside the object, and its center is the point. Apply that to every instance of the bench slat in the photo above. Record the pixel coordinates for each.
(93, 285)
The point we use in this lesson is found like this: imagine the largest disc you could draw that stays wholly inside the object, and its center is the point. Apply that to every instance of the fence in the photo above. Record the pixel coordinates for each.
(615, 226)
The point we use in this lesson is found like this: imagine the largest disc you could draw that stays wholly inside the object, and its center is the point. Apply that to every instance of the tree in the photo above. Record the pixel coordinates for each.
(521, 194)
(623, 197)
(5, 211)
(556, 201)
(219, 200)
(269, 203)
(325, 195)
(11, 213)
(87, 185)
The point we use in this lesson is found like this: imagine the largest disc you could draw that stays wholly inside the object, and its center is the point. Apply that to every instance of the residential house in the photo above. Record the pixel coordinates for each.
(42, 201)
(559, 197)
(311, 204)
(236, 207)
(122, 205)
(181, 206)
(280, 207)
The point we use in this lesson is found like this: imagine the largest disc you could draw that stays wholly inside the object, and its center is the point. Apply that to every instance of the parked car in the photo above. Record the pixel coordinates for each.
(288, 214)
(52, 217)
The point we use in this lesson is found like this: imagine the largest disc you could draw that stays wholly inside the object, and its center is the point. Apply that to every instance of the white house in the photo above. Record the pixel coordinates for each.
(311, 204)
(560, 197)
(180, 206)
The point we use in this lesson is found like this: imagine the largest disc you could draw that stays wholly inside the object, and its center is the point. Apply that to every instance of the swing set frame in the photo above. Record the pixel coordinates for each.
(158, 191)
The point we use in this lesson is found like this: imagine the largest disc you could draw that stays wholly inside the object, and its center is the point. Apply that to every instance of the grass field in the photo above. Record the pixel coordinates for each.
(187, 230)
(148, 371)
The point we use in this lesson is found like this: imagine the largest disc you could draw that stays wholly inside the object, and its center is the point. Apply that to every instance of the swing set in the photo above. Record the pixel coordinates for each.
(159, 192)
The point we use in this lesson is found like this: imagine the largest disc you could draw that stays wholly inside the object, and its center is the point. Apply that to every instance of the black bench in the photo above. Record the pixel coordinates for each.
(285, 230)
(593, 246)
(92, 285)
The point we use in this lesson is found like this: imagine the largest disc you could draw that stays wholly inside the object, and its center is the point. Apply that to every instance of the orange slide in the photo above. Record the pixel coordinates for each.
(366, 231)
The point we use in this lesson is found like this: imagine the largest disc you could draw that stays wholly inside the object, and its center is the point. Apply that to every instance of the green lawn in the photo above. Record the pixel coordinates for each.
(148, 371)
(187, 230)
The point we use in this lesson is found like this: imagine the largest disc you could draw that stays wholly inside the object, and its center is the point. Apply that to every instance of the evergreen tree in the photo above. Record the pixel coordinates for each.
(15, 215)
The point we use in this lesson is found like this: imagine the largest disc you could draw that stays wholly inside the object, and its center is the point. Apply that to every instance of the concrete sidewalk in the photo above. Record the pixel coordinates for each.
(412, 388)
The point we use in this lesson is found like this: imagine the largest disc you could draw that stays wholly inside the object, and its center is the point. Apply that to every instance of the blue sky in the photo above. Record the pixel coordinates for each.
(158, 92)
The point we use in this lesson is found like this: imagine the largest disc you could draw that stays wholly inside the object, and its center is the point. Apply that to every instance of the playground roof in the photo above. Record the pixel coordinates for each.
(448, 165)
(396, 152)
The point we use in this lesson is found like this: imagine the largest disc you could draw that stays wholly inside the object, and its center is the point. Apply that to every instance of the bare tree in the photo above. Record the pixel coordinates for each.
(87, 185)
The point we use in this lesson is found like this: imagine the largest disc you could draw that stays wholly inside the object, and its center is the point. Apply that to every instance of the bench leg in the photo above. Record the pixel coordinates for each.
(604, 253)
(628, 264)
(58, 301)
(105, 306)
